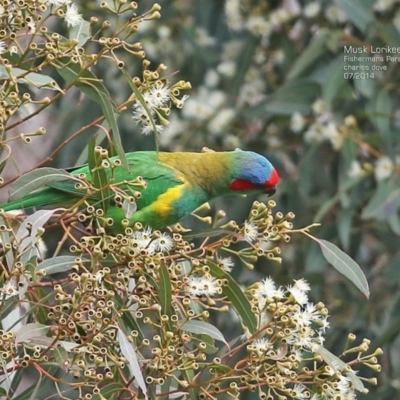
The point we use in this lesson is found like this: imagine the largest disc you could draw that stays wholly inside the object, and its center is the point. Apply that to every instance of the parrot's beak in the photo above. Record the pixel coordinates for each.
(270, 191)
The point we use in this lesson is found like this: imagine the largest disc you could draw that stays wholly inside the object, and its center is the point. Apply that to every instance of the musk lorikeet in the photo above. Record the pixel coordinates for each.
(175, 185)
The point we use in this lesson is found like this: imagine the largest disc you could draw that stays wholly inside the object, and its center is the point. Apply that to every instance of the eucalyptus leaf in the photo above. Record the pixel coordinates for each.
(345, 265)
(36, 179)
(339, 365)
(30, 331)
(29, 228)
(129, 353)
(357, 12)
(30, 78)
(99, 176)
(80, 32)
(164, 290)
(57, 265)
(90, 85)
(202, 327)
(235, 294)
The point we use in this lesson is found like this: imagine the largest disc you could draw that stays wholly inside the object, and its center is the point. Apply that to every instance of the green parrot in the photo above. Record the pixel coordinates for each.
(175, 185)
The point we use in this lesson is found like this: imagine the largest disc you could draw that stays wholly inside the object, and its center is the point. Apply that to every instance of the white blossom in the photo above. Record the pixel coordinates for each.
(142, 240)
(350, 121)
(221, 120)
(314, 133)
(261, 346)
(279, 17)
(164, 243)
(158, 96)
(9, 289)
(203, 38)
(267, 290)
(164, 32)
(319, 107)
(13, 50)
(258, 25)
(227, 68)
(355, 169)
(299, 295)
(2, 47)
(148, 129)
(234, 18)
(250, 231)
(202, 286)
(204, 104)
(72, 17)
(335, 14)
(311, 10)
(383, 168)
(300, 392)
(211, 78)
(332, 133)
(297, 122)
(226, 264)
(384, 5)
(302, 284)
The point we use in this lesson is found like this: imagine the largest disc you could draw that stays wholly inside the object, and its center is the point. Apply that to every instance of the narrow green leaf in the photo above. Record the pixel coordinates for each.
(308, 57)
(357, 12)
(30, 331)
(30, 393)
(140, 98)
(99, 176)
(165, 388)
(7, 153)
(5, 237)
(208, 232)
(90, 85)
(334, 85)
(383, 105)
(294, 95)
(36, 179)
(344, 264)
(201, 327)
(235, 294)
(384, 202)
(339, 365)
(164, 290)
(80, 32)
(129, 353)
(208, 341)
(60, 355)
(108, 390)
(127, 320)
(188, 375)
(56, 265)
(30, 78)
(35, 221)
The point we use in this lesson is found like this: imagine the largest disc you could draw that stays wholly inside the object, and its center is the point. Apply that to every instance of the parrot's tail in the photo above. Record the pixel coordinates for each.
(42, 199)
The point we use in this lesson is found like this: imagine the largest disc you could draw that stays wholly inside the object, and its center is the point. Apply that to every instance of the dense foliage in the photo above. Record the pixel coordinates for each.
(314, 87)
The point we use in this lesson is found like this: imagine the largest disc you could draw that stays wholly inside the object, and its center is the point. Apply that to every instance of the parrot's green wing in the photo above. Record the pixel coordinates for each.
(159, 180)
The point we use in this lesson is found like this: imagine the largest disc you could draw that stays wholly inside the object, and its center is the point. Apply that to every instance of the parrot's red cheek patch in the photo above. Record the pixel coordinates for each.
(273, 180)
(241, 185)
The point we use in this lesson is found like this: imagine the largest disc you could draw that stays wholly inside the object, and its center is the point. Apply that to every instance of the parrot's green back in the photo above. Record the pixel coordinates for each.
(176, 184)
